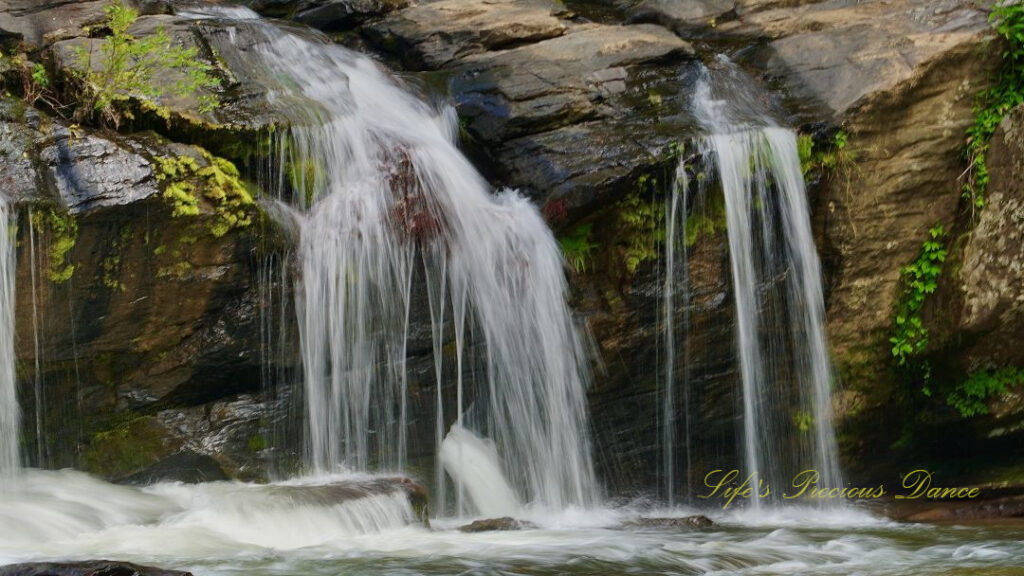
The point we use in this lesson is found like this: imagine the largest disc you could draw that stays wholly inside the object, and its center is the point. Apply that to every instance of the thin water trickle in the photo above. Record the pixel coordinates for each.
(10, 416)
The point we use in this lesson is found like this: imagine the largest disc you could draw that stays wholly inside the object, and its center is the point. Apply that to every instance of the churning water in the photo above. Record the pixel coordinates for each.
(283, 529)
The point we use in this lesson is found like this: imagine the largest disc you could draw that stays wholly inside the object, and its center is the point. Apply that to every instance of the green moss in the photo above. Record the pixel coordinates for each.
(186, 184)
(302, 177)
(641, 224)
(126, 448)
(803, 421)
(111, 264)
(257, 443)
(177, 270)
(62, 229)
(707, 222)
(832, 158)
(577, 247)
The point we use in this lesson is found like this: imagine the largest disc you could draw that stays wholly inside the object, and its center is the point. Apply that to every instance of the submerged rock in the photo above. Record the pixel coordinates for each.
(504, 524)
(698, 521)
(87, 568)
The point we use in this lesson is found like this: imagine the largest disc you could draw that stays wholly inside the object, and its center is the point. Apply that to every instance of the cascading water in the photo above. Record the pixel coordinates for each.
(9, 413)
(785, 369)
(378, 187)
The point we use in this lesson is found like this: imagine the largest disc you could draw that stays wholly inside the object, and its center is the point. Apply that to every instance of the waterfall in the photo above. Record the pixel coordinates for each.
(9, 413)
(378, 189)
(785, 370)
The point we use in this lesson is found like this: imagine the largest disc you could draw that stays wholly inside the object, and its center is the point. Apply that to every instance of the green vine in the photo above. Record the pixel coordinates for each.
(994, 103)
(920, 278)
(970, 396)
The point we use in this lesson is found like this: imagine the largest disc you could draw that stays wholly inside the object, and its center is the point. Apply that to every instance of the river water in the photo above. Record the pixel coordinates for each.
(278, 529)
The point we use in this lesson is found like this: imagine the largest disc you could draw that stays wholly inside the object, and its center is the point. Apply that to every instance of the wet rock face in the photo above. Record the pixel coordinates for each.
(432, 35)
(121, 307)
(555, 107)
(89, 568)
(327, 14)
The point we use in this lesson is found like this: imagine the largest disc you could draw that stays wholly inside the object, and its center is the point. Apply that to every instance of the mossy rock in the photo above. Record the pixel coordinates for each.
(127, 448)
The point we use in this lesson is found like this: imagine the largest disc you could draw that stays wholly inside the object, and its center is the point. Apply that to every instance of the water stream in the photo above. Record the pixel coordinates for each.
(785, 370)
(378, 190)
(10, 417)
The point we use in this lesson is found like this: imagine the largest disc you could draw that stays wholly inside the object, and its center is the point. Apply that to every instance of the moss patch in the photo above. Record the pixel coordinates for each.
(62, 229)
(641, 224)
(126, 448)
(188, 183)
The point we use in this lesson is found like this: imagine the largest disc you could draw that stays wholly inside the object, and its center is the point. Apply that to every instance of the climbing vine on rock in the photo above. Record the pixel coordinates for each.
(993, 104)
(919, 279)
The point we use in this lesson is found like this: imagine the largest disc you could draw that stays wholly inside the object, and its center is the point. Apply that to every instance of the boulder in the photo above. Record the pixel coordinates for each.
(86, 568)
(684, 522)
(991, 319)
(431, 35)
(504, 524)
(327, 14)
(39, 22)
(123, 306)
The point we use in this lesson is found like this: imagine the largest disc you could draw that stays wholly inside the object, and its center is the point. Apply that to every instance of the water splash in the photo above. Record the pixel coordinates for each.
(474, 463)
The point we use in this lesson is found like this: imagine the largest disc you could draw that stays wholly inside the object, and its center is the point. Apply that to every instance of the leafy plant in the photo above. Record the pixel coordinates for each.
(577, 247)
(129, 67)
(970, 396)
(994, 103)
(920, 278)
(35, 82)
(832, 158)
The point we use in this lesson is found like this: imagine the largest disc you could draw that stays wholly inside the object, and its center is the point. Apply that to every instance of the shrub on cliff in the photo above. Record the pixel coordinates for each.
(124, 67)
